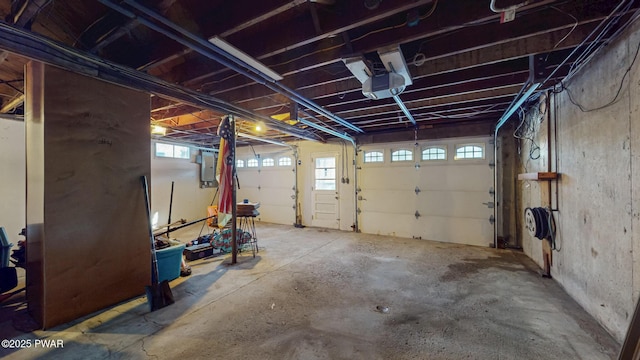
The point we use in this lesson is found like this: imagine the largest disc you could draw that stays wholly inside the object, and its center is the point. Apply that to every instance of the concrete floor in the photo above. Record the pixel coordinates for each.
(322, 294)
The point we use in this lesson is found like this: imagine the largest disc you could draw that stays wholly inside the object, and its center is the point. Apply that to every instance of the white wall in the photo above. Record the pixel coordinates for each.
(598, 157)
(12, 178)
(190, 201)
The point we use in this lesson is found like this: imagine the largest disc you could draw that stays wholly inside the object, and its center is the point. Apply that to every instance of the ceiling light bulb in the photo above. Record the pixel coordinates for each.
(158, 130)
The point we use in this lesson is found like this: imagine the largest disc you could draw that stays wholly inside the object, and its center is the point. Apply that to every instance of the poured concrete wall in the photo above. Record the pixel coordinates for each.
(12, 178)
(87, 146)
(598, 153)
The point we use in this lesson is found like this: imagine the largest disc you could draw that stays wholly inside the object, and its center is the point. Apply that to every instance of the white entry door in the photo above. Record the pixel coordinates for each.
(325, 197)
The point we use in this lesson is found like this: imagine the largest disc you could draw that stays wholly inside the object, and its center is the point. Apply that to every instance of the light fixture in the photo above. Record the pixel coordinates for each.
(383, 85)
(158, 130)
(394, 62)
(246, 58)
(358, 68)
(261, 127)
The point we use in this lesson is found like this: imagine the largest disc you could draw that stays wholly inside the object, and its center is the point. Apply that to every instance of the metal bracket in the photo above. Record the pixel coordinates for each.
(489, 204)
(492, 219)
(492, 165)
(417, 190)
(417, 214)
(492, 192)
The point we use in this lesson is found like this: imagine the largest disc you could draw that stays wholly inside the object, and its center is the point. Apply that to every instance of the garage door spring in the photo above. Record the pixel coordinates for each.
(541, 224)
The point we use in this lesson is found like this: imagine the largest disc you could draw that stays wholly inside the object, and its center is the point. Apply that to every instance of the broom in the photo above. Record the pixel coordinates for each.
(158, 294)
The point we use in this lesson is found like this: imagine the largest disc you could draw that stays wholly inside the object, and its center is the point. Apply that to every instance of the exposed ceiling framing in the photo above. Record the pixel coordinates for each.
(466, 66)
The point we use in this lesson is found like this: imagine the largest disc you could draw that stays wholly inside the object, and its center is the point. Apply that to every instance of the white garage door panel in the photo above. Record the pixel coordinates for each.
(277, 179)
(452, 201)
(387, 224)
(251, 194)
(391, 177)
(279, 197)
(456, 230)
(457, 177)
(277, 214)
(248, 178)
(467, 204)
(392, 201)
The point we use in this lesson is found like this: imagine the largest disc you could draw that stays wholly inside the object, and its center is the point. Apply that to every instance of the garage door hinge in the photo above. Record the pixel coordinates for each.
(417, 190)
(417, 214)
(492, 165)
(489, 204)
(358, 211)
(492, 219)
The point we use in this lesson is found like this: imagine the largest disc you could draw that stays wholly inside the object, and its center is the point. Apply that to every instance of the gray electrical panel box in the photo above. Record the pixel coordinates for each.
(208, 169)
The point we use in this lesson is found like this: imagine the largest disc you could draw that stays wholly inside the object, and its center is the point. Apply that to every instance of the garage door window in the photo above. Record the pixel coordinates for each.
(252, 163)
(470, 151)
(373, 156)
(434, 153)
(240, 163)
(401, 155)
(284, 161)
(268, 162)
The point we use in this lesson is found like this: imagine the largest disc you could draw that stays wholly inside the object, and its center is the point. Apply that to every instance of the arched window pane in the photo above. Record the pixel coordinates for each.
(268, 162)
(469, 152)
(252, 163)
(402, 155)
(434, 153)
(373, 156)
(240, 163)
(284, 161)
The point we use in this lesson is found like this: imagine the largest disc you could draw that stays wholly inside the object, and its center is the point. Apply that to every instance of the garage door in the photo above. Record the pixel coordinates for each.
(270, 180)
(436, 191)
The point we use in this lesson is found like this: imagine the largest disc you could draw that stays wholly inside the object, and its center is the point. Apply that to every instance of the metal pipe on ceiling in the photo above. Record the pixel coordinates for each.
(231, 61)
(47, 51)
(265, 140)
(404, 109)
(327, 130)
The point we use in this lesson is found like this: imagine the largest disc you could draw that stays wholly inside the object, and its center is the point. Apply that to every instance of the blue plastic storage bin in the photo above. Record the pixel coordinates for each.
(5, 248)
(169, 261)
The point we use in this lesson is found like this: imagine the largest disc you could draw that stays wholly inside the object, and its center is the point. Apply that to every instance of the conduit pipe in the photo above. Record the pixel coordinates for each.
(44, 50)
(404, 109)
(522, 96)
(217, 54)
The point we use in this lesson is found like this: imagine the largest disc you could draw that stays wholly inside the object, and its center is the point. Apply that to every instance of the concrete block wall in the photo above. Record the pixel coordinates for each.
(598, 153)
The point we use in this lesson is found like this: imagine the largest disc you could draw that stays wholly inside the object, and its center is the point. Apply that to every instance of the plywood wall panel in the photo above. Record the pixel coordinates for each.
(94, 243)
